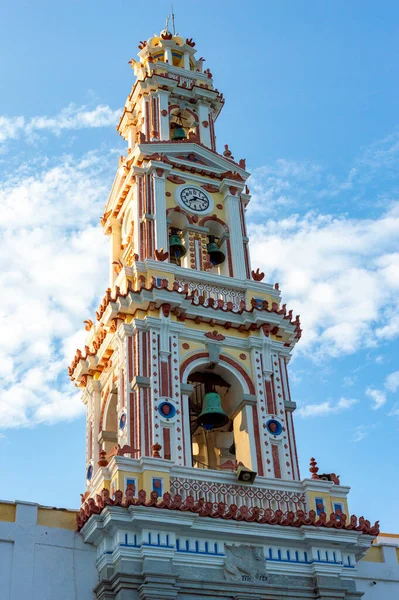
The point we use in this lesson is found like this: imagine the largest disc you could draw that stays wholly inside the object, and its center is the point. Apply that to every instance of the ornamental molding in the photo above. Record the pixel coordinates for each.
(168, 147)
(219, 510)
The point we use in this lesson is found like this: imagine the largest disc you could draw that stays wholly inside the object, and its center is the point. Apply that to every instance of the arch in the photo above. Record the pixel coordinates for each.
(110, 418)
(177, 209)
(230, 364)
(214, 218)
(192, 113)
(213, 448)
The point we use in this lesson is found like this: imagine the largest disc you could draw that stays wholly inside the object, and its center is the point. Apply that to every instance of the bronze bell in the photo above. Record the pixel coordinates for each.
(212, 415)
(176, 247)
(216, 256)
(178, 132)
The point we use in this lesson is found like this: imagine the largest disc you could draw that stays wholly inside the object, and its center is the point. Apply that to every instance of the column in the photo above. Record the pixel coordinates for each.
(163, 114)
(94, 389)
(186, 61)
(161, 233)
(232, 207)
(115, 248)
(204, 125)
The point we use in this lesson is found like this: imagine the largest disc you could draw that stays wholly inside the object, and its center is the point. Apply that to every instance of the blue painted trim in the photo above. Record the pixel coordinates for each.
(127, 545)
(186, 549)
(157, 544)
(302, 562)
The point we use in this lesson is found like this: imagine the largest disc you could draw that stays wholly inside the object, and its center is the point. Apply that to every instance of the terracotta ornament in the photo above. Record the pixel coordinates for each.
(257, 275)
(221, 510)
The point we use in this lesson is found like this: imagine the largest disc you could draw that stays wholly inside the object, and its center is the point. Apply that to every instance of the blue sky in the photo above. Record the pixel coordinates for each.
(312, 103)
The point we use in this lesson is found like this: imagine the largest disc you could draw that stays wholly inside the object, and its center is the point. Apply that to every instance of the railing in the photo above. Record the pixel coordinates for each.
(207, 290)
(230, 493)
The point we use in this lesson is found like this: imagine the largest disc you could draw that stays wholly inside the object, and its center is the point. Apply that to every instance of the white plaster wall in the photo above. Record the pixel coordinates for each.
(44, 563)
(385, 575)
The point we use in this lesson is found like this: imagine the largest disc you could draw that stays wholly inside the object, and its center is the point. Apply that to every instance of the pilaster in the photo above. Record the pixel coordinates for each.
(232, 208)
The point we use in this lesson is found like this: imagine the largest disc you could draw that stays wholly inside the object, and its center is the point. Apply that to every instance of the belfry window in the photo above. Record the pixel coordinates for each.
(181, 123)
(211, 428)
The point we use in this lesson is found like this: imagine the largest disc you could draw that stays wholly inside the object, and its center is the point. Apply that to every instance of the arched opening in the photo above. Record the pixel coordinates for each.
(220, 447)
(178, 244)
(181, 123)
(217, 235)
(109, 434)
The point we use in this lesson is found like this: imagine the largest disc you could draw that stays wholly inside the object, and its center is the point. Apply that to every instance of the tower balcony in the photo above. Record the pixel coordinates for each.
(219, 486)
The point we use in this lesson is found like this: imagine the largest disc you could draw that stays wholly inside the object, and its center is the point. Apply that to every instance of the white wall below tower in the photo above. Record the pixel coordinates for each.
(44, 562)
(380, 580)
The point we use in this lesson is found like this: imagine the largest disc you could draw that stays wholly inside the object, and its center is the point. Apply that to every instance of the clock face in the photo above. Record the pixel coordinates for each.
(194, 199)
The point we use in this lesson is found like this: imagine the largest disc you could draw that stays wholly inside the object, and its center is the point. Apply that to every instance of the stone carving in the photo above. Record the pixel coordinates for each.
(244, 563)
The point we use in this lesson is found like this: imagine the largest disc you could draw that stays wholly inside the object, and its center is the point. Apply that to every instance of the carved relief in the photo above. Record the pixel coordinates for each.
(244, 563)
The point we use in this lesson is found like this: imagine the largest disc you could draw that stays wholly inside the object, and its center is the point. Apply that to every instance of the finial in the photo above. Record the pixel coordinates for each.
(103, 459)
(314, 468)
(155, 450)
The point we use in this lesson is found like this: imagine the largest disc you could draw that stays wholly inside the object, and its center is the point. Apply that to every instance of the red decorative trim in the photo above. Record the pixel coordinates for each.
(186, 346)
(183, 212)
(164, 378)
(276, 461)
(269, 397)
(214, 335)
(191, 359)
(132, 432)
(240, 369)
(257, 441)
(288, 419)
(166, 444)
(295, 450)
(214, 218)
(210, 188)
(130, 356)
(176, 179)
(220, 305)
(221, 510)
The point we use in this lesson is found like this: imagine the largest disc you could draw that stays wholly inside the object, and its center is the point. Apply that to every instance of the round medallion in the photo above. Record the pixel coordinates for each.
(274, 427)
(89, 473)
(166, 410)
(122, 421)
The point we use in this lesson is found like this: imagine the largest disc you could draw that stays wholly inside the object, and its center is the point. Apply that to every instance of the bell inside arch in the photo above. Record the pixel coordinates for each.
(178, 132)
(212, 415)
(176, 246)
(216, 256)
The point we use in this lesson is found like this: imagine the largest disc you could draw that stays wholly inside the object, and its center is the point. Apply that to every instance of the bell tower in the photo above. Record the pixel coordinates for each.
(184, 371)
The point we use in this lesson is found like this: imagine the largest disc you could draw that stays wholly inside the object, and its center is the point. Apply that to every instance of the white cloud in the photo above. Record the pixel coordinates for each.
(361, 432)
(325, 408)
(392, 382)
(394, 412)
(377, 396)
(72, 117)
(53, 270)
(338, 273)
(350, 380)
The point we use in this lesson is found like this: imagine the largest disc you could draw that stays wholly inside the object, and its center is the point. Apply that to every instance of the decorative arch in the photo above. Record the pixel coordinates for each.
(229, 363)
(214, 218)
(180, 210)
(192, 113)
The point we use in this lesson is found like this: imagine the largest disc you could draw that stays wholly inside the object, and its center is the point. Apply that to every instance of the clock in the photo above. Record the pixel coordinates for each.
(194, 199)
